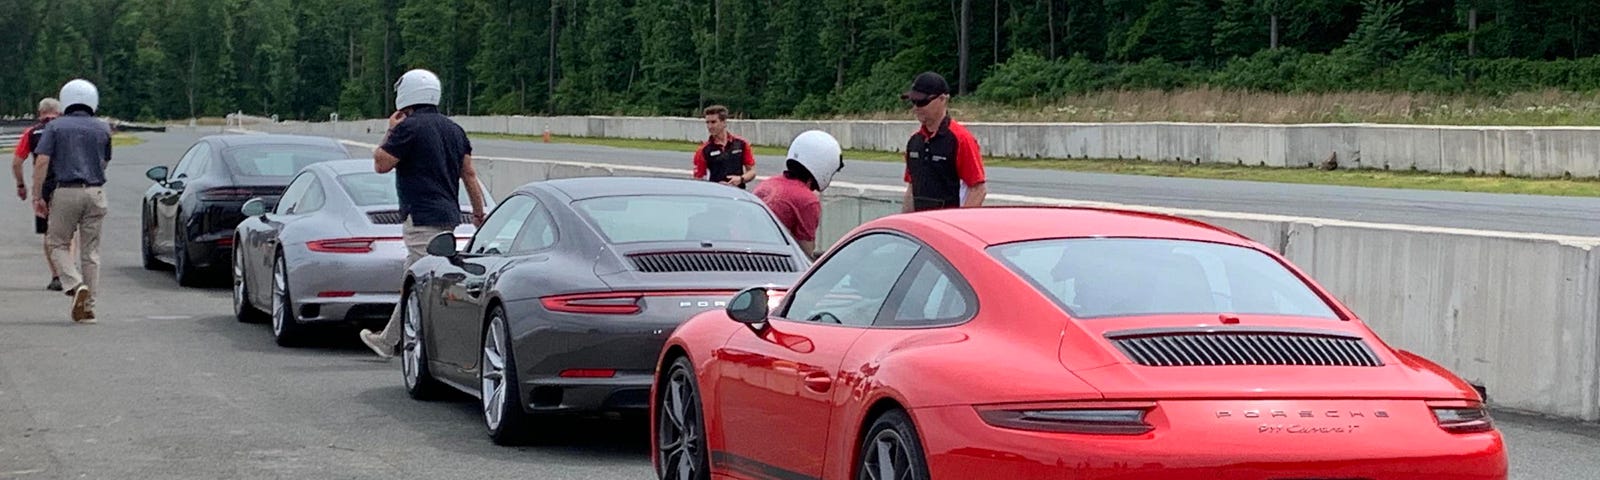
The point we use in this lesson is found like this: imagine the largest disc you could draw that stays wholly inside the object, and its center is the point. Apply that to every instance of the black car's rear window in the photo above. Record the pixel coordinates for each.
(278, 160)
(1119, 277)
(666, 218)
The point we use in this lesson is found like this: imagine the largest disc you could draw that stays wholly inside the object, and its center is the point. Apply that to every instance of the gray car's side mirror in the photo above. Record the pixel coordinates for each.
(157, 173)
(444, 245)
(749, 306)
(254, 207)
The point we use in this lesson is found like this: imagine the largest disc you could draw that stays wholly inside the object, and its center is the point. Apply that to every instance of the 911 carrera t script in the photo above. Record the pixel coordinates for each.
(1307, 429)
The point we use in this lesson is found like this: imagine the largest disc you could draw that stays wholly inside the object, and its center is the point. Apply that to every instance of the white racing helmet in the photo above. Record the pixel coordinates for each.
(80, 92)
(417, 87)
(819, 153)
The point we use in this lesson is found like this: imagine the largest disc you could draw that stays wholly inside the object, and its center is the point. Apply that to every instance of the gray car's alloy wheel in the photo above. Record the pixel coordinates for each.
(243, 308)
(892, 450)
(285, 328)
(420, 383)
(500, 391)
(680, 430)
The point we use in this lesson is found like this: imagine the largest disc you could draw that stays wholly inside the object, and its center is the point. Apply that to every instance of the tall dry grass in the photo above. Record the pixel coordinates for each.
(1545, 108)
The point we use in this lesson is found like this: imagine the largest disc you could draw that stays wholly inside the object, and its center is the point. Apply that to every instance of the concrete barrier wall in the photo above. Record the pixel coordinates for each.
(1521, 151)
(1533, 151)
(1516, 314)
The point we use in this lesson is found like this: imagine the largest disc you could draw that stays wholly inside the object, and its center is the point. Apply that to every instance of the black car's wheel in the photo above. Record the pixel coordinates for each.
(186, 274)
(500, 391)
(420, 383)
(243, 308)
(146, 236)
(891, 450)
(680, 428)
(286, 329)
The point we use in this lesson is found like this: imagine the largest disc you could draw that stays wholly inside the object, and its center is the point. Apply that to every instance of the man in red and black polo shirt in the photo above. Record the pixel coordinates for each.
(49, 109)
(944, 168)
(724, 158)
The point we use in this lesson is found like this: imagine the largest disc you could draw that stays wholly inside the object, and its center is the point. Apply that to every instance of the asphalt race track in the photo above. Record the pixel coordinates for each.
(169, 385)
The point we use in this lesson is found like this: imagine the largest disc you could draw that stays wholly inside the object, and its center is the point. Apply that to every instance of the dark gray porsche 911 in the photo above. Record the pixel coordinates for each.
(561, 302)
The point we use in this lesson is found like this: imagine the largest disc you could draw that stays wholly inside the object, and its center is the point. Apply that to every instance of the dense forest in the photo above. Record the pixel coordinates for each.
(169, 59)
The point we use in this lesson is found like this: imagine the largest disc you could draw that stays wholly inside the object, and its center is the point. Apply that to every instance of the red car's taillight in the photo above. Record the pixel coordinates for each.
(1097, 418)
(346, 245)
(1461, 417)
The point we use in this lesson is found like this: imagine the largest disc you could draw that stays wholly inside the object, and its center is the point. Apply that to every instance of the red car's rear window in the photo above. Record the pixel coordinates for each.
(1121, 277)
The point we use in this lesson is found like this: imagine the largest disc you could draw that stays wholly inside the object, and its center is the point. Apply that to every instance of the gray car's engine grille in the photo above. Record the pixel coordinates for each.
(711, 262)
(1185, 349)
(393, 217)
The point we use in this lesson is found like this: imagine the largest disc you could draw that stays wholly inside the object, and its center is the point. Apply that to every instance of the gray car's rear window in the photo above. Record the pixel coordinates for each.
(665, 218)
(370, 188)
(278, 160)
(1120, 277)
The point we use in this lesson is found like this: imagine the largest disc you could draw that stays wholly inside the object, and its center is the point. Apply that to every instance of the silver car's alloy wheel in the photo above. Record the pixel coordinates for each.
(412, 353)
(239, 301)
(494, 373)
(280, 305)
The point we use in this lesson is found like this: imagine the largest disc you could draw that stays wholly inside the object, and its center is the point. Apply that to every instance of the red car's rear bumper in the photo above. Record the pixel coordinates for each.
(1233, 439)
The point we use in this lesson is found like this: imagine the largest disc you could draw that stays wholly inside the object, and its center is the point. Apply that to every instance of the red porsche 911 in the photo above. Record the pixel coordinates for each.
(1034, 343)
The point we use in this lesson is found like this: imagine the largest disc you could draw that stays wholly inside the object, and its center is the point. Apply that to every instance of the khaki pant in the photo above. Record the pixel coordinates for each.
(416, 238)
(75, 210)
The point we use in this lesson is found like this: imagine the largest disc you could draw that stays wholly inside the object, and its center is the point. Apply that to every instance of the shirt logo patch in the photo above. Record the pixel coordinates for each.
(713, 153)
(736, 152)
(937, 158)
(916, 154)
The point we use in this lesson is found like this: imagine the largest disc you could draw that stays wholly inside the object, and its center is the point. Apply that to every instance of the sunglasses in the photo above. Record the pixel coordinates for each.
(923, 102)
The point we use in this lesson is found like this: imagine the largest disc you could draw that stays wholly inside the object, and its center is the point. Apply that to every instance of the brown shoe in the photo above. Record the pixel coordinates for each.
(80, 305)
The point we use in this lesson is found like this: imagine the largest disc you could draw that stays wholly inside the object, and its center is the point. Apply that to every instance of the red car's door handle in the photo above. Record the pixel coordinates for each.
(818, 382)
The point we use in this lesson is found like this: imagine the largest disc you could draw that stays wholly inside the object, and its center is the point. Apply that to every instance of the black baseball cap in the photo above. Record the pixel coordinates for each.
(926, 85)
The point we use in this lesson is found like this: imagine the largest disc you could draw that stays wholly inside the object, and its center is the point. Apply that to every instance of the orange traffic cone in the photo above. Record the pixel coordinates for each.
(546, 134)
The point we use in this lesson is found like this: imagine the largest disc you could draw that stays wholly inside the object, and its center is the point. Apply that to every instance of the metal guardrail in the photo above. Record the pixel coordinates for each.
(9, 142)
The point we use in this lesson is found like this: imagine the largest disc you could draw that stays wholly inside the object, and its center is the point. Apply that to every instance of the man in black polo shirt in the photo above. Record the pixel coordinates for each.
(944, 168)
(431, 157)
(724, 158)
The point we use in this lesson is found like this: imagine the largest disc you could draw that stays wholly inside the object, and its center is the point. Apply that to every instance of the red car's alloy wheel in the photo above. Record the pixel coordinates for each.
(679, 429)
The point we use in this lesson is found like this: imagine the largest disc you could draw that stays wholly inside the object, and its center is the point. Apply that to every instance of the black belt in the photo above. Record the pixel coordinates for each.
(77, 184)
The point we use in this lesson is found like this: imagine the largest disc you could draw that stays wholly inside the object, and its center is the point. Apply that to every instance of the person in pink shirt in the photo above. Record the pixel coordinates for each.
(814, 157)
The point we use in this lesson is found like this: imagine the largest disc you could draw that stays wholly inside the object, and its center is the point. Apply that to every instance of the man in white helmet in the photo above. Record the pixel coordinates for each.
(814, 157)
(74, 149)
(431, 157)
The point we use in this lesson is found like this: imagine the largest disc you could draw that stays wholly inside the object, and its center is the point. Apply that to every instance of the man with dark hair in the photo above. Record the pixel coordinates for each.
(724, 158)
(944, 168)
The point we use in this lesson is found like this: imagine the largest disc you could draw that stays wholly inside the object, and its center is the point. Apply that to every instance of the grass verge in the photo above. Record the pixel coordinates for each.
(1354, 178)
(125, 140)
(1210, 105)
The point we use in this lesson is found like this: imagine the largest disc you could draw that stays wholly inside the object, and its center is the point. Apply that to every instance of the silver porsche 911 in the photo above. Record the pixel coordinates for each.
(329, 252)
